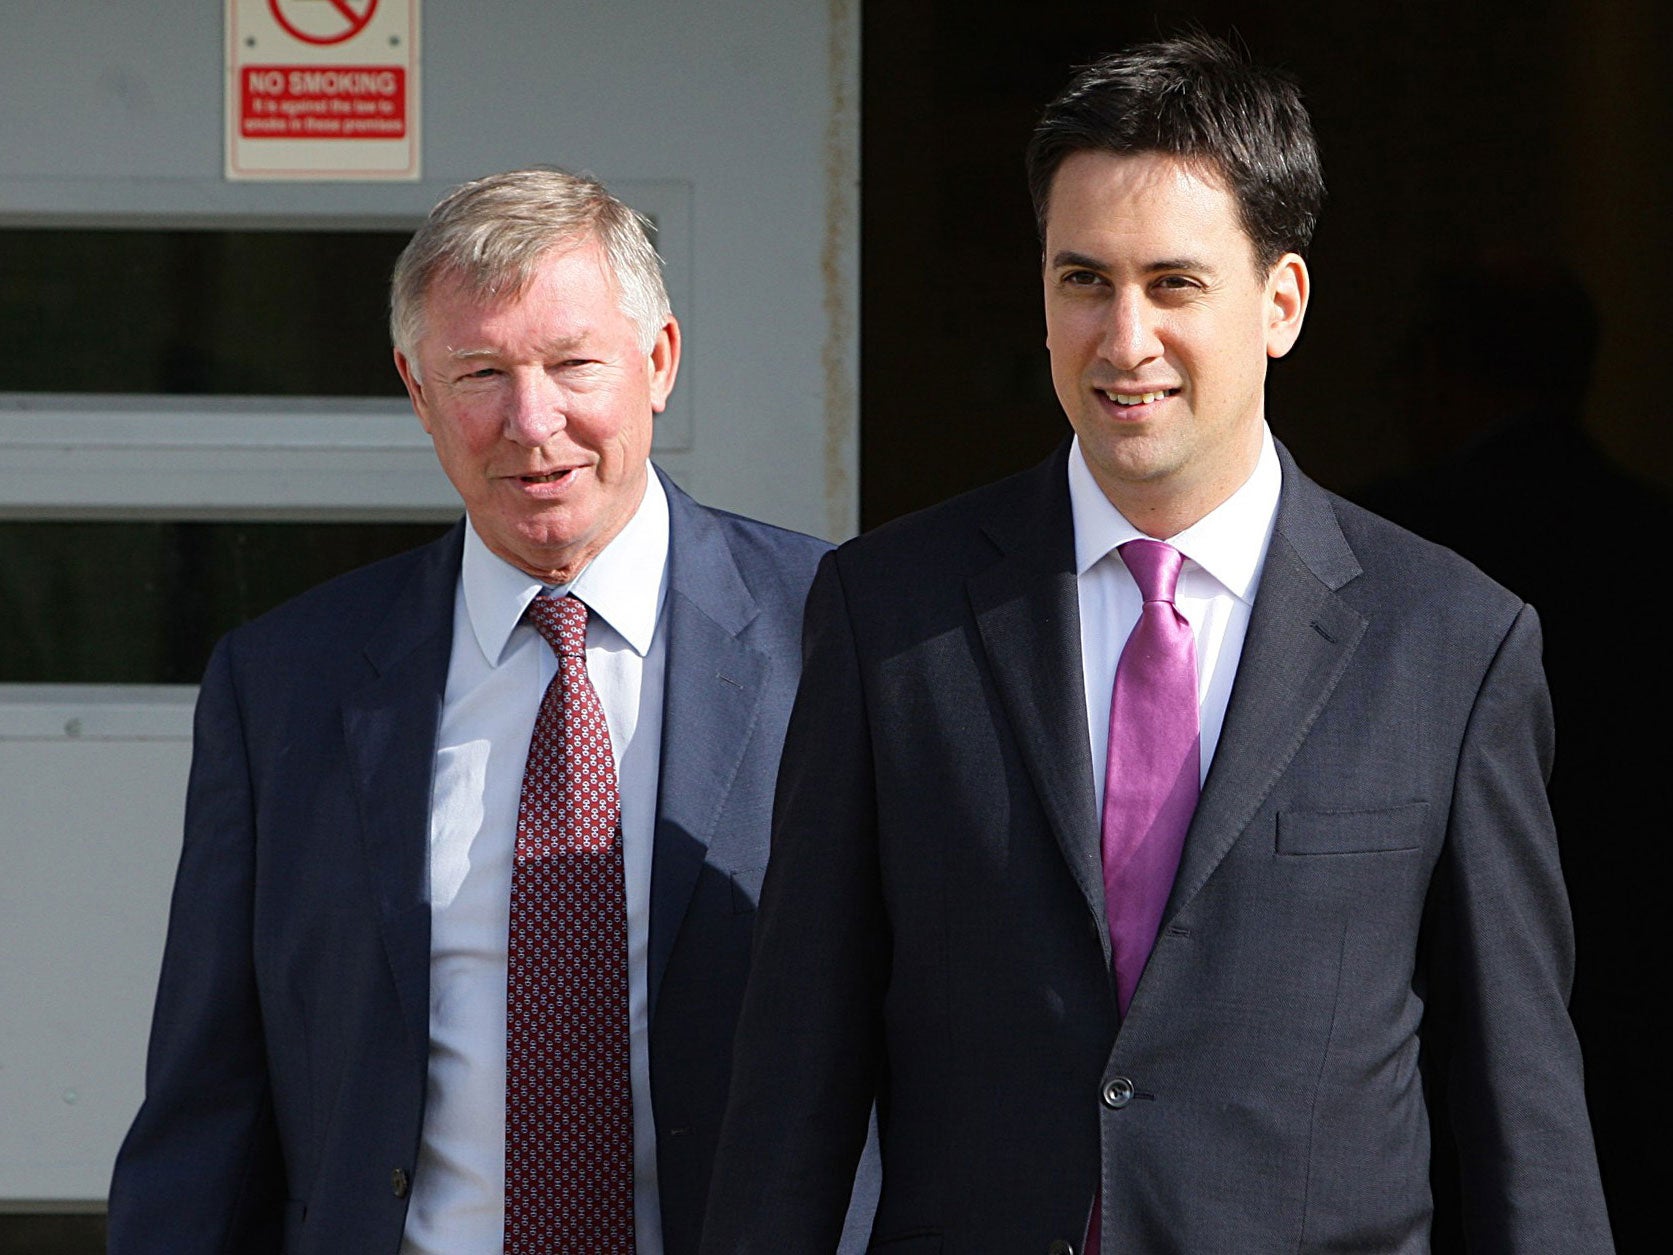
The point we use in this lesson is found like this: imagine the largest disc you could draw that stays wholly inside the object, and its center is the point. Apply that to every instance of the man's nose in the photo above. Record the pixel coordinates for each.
(535, 409)
(1130, 336)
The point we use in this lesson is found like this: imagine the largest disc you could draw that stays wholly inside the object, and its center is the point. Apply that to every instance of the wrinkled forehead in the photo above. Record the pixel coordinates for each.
(491, 278)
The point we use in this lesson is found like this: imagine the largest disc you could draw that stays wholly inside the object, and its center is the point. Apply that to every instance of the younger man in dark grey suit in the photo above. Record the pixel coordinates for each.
(1160, 839)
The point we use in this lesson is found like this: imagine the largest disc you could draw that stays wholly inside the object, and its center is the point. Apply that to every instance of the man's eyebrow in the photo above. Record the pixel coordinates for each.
(1070, 258)
(1179, 263)
(550, 348)
(1067, 257)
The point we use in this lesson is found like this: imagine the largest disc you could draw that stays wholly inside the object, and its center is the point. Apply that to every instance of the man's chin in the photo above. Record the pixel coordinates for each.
(548, 550)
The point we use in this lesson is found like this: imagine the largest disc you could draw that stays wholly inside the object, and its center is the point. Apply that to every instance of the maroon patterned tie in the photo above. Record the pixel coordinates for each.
(568, 1099)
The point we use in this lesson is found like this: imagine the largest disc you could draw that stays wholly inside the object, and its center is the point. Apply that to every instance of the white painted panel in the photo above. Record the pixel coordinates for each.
(92, 783)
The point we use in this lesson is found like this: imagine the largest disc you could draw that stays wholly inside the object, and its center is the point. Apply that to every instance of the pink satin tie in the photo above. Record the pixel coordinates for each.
(1152, 773)
(1151, 776)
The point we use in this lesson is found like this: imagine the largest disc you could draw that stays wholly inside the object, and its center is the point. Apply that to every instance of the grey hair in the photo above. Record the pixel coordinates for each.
(492, 234)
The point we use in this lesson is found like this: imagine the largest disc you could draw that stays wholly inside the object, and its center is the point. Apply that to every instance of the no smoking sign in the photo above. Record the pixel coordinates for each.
(323, 22)
(322, 89)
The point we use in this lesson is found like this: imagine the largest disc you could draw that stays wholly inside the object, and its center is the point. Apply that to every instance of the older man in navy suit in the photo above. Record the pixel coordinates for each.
(474, 835)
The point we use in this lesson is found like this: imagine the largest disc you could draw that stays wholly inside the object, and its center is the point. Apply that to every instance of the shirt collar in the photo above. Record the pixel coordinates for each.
(624, 584)
(1229, 542)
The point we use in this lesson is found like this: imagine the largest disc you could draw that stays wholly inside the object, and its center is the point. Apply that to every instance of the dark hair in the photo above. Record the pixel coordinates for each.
(1197, 98)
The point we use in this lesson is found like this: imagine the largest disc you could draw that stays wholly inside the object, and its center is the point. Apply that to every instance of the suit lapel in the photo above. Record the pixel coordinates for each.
(1027, 611)
(711, 700)
(1301, 636)
(390, 726)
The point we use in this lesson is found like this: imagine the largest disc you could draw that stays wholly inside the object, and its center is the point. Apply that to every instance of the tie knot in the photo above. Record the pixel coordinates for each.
(562, 621)
(1155, 568)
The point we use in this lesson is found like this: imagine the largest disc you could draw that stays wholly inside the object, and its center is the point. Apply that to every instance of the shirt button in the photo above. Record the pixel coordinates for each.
(400, 1182)
(1060, 1247)
(1118, 1092)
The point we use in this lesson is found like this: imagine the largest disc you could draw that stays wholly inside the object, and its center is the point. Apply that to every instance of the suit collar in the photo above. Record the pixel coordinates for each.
(1302, 635)
(701, 565)
(1307, 520)
(422, 607)
(1028, 615)
(712, 700)
(389, 727)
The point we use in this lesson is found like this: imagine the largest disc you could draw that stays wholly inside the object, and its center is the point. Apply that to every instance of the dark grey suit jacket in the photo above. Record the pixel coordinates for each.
(286, 1078)
(1364, 961)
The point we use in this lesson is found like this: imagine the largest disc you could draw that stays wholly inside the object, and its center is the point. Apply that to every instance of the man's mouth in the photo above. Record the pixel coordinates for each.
(549, 477)
(1127, 399)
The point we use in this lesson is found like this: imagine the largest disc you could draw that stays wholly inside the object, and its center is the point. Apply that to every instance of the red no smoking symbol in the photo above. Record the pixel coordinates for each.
(328, 21)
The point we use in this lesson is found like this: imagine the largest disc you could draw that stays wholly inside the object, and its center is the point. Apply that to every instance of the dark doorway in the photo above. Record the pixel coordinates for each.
(1542, 124)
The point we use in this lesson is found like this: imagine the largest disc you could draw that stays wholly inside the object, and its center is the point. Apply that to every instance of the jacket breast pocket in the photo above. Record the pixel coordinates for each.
(1352, 832)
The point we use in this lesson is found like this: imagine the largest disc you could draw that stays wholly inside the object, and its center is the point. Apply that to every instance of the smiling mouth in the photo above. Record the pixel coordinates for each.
(1128, 399)
(550, 477)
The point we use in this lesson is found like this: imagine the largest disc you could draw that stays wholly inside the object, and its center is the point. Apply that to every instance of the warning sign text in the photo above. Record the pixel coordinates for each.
(323, 102)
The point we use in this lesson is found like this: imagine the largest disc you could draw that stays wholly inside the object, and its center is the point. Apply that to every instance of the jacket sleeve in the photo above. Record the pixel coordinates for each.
(200, 1170)
(1500, 960)
(809, 1046)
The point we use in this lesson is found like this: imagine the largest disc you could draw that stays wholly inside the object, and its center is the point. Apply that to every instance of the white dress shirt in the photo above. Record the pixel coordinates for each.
(1224, 552)
(497, 674)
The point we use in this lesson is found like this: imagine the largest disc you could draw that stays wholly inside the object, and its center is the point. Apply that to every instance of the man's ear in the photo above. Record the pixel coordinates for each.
(664, 363)
(415, 388)
(1287, 288)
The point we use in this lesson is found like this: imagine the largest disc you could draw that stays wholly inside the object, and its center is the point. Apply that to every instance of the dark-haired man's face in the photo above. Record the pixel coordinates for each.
(1160, 329)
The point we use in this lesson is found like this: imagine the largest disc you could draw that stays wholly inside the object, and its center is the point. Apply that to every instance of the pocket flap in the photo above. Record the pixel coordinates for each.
(1352, 832)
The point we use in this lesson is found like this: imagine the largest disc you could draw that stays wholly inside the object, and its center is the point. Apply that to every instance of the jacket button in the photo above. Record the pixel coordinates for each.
(1060, 1247)
(400, 1182)
(1118, 1092)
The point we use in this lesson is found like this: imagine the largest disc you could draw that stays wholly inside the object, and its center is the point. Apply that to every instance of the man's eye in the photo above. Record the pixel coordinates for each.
(1081, 279)
(1175, 283)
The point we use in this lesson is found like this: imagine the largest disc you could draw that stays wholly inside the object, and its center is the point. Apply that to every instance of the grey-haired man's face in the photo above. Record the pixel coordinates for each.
(541, 406)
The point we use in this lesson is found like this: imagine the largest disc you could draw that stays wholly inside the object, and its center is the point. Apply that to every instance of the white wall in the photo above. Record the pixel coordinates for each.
(91, 787)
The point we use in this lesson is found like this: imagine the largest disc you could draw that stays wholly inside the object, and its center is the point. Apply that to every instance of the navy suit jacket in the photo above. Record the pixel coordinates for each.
(286, 1076)
(1361, 972)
